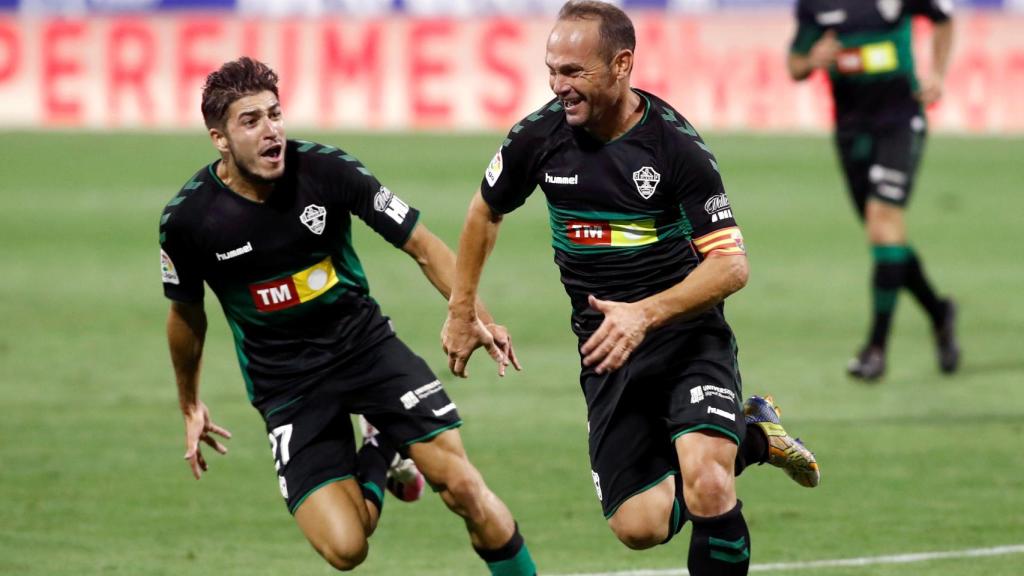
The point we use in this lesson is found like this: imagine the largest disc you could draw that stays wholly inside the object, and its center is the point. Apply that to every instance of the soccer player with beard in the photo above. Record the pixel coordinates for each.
(648, 249)
(880, 131)
(268, 228)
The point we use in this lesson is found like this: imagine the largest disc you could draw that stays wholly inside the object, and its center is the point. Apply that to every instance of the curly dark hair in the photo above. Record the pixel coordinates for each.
(234, 80)
(616, 28)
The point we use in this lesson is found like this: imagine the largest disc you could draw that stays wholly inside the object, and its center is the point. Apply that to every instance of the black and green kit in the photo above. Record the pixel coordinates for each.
(631, 218)
(873, 78)
(298, 304)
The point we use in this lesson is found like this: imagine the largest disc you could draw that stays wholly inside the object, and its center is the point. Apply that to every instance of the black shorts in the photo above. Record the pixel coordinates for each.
(881, 163)
(311, 435)
(677, 381)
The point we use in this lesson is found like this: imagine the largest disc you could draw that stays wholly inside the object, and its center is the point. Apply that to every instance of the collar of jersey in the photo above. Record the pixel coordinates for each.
(647, 109)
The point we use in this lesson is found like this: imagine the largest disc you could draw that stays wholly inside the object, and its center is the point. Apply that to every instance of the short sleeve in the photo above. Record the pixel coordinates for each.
(807, 30)
(179, 264)
(704, 203)
(359, 191)
(935, 10)
(507, 181)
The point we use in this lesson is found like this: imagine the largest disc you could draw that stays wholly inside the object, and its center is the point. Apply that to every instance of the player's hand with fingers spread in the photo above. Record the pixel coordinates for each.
(622, 330)
(504, 342)
(461, 335)
(198, 427)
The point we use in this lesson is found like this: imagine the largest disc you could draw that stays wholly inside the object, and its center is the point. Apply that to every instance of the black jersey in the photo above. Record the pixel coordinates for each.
(873, 79)
(629, 218)
(285, 272)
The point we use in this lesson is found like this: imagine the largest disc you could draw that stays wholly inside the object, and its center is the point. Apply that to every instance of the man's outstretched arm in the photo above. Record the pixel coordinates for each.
(463, 331)
(186, 334)
(437, 262)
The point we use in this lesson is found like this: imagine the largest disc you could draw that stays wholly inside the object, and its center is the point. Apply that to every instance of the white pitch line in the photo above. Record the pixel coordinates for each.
(837, 563)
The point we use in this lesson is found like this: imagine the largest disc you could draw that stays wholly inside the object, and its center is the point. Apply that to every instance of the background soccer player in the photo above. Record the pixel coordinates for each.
(648, 249)
(880, 132)
(268, 228)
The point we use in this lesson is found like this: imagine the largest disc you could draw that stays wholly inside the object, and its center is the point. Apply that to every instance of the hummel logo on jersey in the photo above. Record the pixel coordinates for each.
(315, 218)
(385, 201)
(646, 180)
(236, 252)
(831, 18)
(722, 413)
(718, 207)
(571, 180)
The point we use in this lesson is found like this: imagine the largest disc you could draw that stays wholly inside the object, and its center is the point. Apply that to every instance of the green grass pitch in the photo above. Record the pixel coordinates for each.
(91, 473)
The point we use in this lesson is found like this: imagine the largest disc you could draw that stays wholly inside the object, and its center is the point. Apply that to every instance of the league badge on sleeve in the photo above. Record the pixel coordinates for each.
(315, 218)
(167, 270)
(494, 168)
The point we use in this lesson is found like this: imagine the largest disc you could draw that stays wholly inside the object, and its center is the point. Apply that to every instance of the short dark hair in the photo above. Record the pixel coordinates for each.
(234, 80)
(616, 29)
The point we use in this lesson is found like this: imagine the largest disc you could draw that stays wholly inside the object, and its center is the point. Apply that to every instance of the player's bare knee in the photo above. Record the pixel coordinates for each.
(637, 533)
(343, 557)
(710, 491)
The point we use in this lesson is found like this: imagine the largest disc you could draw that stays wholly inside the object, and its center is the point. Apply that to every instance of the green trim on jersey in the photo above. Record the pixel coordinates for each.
(643, 119)
(426, 437)
(280, 407)
(724, 431)
(351, 272)
(243, 360)
(315, 488)
(537, 115)
(643, 234)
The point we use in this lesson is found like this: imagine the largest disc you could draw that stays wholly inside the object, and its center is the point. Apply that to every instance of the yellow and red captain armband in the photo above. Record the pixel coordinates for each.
(727, 241)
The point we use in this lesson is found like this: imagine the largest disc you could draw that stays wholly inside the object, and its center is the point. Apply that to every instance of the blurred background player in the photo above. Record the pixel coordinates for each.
(880, 133)
(268, 228)
(648, 250)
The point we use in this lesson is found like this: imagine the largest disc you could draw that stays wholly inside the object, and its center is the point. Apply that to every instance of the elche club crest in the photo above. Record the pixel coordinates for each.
(890, 9)
(646, 180)
(315, 218)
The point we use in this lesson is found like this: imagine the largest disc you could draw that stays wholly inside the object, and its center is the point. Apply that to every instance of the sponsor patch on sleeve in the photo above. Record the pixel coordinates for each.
(494, 168)
(726, 241)
(385, 201)
(167, 269)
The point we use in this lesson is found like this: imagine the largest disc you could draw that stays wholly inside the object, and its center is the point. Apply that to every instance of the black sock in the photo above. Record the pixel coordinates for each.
(919, 286)
(889, 276)
(720, 546)
(372, 464)
(753, 450)
(512, 559)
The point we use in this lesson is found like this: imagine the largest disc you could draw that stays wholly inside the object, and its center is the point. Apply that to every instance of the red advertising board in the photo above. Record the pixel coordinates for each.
(723, 71)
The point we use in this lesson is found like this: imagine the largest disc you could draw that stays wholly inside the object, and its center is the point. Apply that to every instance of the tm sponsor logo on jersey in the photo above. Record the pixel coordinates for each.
(234, 253)
(718, 207)
(567, 180)
(385, 201)
(413, 397)
(646, 180)
(315, 218)
(612, 233)
(699, 393)
(295, 289)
